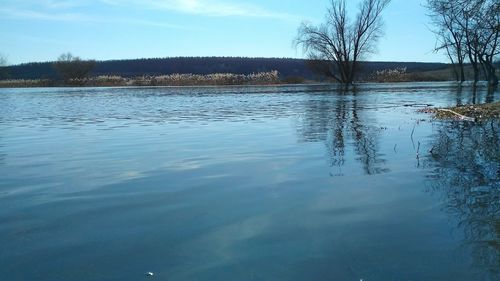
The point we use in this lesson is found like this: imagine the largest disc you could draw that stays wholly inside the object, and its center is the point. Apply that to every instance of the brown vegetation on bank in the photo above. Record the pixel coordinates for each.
(401, 75)
(217, 79)
(25, 83)
(475, 112)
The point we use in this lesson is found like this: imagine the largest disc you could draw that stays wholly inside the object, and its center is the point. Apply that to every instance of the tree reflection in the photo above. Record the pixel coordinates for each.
(475, 95)
(490, 96)
(341, 123)
(465, 162)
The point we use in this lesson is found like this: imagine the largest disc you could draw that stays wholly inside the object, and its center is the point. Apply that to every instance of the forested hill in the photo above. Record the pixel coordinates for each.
(202, 65)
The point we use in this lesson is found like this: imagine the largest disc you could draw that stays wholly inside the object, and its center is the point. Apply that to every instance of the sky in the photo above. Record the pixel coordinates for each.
(41, 30)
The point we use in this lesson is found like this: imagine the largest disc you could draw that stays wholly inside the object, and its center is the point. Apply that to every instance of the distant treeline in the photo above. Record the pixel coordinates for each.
(287, 68)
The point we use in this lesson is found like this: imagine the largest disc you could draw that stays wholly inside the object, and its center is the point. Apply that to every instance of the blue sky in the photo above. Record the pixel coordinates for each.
(40, 30)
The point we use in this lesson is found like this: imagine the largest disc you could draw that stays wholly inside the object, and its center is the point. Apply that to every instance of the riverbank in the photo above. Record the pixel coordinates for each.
(216, 79)
(222, 79)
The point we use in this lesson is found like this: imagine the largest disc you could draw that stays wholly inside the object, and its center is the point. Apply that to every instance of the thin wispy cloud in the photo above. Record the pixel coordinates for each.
(206, 8)
(141, 22)
(61, 4)
(69, 11)
(25, 14)
(35, 38)
(46, 5)
(45, 16)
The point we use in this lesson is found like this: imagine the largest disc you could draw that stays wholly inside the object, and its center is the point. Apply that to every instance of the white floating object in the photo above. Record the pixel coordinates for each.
(149, 273)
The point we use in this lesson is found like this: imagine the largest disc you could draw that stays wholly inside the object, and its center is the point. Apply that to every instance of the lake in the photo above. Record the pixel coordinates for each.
(247, 183)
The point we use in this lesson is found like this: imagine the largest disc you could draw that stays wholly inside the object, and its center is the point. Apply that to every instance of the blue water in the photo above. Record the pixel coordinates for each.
(247, 183)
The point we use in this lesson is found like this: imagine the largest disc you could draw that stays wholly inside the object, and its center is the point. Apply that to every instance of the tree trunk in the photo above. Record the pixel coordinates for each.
(462, 72)
(492, 77)
(475, 68)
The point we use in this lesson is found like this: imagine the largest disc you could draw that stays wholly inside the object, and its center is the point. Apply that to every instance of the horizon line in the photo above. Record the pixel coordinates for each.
(234, 57)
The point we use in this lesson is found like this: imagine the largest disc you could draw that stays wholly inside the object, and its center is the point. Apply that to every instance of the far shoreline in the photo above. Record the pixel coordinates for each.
(403, 84)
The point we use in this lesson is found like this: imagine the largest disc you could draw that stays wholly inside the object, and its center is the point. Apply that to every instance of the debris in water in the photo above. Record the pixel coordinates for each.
(470, 113)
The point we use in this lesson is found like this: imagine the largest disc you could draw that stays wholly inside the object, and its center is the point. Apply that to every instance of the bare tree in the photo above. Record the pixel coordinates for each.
(72, 68)
(450, 36)
(339, 42)
(489, 39)
(469, 31)
(470, 21)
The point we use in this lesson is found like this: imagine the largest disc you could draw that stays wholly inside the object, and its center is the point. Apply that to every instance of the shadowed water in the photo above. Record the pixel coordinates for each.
(247, 183)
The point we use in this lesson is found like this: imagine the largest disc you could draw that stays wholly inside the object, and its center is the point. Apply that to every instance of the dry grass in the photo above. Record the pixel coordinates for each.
(475, 112)
(401, 75)
(216, 79)
(23, 83)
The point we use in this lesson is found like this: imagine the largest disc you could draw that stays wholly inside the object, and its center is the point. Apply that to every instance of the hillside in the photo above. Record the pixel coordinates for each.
(288, 68)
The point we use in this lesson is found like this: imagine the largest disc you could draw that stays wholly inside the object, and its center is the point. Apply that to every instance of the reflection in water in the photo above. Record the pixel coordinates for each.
(490, 97)
(474, 95)
(465, 162)
(341, 122)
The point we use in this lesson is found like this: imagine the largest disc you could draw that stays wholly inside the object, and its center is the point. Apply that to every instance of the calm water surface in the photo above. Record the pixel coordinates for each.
(247, 183)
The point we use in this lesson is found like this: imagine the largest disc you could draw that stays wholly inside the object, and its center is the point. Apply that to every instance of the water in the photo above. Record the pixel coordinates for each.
(247, 183)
